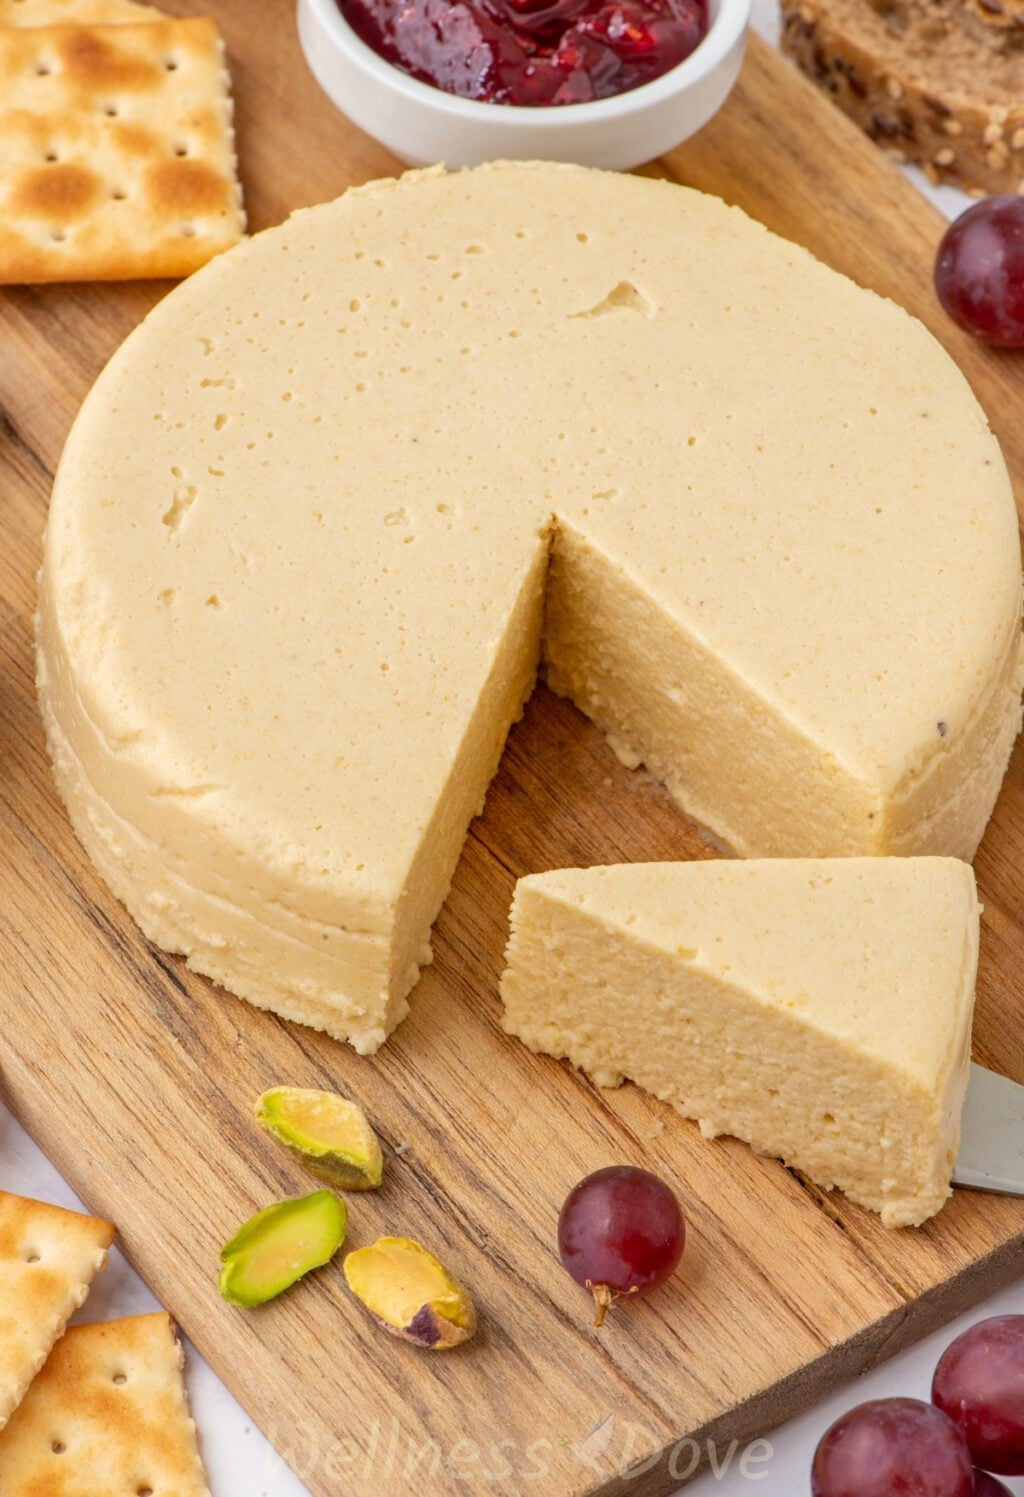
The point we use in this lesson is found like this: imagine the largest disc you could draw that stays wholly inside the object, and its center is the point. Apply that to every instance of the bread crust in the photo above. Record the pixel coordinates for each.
(970, 135)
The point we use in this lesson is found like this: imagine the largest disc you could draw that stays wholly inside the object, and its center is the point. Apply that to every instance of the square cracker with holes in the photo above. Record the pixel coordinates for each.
(106, 1416)
(117, 156)
(48, 1257)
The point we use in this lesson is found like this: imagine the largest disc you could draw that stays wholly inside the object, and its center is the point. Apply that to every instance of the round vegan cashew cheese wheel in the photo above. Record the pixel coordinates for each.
(330, 505)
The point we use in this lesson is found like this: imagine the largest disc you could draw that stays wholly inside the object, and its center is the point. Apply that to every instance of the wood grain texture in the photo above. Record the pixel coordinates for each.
(138, 1078)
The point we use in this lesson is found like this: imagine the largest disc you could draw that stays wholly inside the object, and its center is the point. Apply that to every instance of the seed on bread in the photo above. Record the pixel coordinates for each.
(1005, 14)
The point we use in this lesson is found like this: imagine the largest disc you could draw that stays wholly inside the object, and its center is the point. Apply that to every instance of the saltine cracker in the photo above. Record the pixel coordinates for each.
(48, 1257)
(107, 1415)
(117, 154)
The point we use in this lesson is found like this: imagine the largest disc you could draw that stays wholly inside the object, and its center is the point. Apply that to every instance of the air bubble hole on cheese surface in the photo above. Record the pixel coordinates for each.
(623, 297)
(183, 500)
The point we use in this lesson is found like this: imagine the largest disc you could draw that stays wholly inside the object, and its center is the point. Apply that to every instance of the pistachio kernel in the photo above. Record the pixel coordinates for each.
(277, 1246)
(328, 1134)
(410, 1293)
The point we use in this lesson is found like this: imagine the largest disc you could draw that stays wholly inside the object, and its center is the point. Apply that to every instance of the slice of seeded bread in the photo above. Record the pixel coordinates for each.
(927, 79)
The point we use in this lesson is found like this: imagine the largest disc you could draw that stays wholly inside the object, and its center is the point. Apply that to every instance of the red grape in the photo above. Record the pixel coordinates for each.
(987, 1486)
(980, 1384)
(893, 1445)
(621, 1231)
(979, 271)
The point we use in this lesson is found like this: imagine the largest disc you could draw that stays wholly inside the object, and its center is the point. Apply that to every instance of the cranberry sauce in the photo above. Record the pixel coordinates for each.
(530, 51)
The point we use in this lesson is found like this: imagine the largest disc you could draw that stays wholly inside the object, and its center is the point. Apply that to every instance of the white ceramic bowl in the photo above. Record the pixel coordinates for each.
(423, 125)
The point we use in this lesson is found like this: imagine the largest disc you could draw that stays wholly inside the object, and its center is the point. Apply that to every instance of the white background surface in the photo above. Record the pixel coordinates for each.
(238, 1459)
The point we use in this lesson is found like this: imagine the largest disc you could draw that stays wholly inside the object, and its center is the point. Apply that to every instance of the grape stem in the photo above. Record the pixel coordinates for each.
(604, 1298)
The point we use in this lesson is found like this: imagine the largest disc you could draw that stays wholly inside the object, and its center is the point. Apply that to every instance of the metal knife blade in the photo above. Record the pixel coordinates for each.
(992, 1135)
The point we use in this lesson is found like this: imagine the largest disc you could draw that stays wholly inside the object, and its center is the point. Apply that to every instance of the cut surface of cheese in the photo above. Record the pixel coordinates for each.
(819, 1010)
(307, 522)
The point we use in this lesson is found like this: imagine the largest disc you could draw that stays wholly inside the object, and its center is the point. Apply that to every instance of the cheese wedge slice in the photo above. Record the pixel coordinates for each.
(820, 1010)
(330, 504)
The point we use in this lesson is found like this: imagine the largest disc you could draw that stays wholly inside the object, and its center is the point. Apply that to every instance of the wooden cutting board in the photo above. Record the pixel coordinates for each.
(138, 1078)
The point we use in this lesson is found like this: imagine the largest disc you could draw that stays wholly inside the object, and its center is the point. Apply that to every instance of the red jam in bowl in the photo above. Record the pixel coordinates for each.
(530, 51)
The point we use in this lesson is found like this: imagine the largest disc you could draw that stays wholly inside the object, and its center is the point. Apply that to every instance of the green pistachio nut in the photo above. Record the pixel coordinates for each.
(329, 1134)
(274, 1248)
